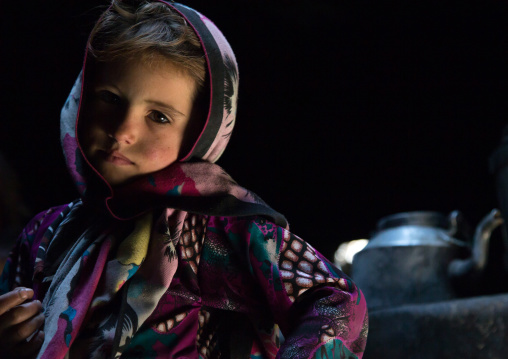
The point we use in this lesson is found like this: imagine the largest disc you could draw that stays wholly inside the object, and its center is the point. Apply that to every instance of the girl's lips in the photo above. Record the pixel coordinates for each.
(117, 158)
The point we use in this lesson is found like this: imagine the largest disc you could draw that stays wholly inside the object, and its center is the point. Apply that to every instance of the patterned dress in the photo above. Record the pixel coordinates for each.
(243, 288)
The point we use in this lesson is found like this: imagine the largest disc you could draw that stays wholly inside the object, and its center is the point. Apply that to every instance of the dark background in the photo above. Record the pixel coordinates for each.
(348, 111)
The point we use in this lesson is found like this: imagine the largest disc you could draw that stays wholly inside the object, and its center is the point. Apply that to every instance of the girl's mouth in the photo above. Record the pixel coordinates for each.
(117, 158)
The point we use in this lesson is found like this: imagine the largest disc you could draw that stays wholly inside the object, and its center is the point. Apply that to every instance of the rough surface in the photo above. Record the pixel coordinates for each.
(465, 328)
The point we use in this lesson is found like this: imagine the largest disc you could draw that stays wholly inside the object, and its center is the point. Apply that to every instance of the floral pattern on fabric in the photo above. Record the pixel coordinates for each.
(329, 314)
(237, 304)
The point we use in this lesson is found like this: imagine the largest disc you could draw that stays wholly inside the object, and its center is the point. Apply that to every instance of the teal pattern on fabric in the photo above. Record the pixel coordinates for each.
(332, 269)
(175, 191)
(264, 248)
(151, 180)
(220, 259)
(136, 289)
(277, 280)
(4, 279)
(145, 341)
(68, 315)
(132, 271)
(70, 312)
(334, 349)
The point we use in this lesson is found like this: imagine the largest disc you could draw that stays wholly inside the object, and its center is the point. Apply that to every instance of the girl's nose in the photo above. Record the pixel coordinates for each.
(127, 129)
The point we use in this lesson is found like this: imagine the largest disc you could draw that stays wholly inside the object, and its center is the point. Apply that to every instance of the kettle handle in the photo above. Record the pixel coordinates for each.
(478, 260)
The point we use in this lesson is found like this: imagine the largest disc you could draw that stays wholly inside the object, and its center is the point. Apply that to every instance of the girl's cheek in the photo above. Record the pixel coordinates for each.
(160, 154)
(161, 157)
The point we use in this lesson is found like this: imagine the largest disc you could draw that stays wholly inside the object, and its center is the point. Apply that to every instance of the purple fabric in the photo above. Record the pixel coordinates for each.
(240, 284)
(183, 262)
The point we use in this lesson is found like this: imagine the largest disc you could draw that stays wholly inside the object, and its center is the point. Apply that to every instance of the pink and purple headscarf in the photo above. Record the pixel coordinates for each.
(214, 191)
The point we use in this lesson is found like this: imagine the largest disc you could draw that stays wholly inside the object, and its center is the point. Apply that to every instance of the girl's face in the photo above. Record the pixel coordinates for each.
(138, 119)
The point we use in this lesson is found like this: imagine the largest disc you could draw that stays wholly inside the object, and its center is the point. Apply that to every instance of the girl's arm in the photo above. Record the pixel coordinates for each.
(18, 271)
(21, 317)
(19, 267)
(320, 311)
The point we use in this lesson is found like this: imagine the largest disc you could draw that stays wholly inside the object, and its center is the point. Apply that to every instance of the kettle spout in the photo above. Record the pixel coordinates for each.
(482, 238)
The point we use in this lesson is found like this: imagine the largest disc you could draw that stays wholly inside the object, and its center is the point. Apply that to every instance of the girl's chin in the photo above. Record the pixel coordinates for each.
(114, 178)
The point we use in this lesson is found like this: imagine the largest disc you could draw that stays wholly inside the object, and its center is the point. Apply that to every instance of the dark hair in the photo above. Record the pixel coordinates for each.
(151, 31)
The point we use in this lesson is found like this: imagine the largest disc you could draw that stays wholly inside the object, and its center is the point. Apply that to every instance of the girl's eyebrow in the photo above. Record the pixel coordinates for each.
(165, 106)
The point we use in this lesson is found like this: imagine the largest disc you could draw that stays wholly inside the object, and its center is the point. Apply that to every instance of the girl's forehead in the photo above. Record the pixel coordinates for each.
(156, 64)
(132, 73)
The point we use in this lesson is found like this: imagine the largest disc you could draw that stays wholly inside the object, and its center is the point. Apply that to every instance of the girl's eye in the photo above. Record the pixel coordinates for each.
(158, 117)
(108, 97)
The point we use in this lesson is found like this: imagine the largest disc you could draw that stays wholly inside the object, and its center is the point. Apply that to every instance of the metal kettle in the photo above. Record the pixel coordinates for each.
(415, 258)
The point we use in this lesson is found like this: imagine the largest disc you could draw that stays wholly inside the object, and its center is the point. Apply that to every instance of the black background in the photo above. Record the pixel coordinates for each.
(348, 111)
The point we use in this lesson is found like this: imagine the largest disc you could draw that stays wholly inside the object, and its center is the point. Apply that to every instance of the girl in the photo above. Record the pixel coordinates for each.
(164, 255)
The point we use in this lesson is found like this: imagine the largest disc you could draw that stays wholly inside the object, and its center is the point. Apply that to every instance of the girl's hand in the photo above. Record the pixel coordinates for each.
(19, 319)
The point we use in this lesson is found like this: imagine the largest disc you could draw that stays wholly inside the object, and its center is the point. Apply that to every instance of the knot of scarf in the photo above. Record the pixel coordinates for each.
(197, 187)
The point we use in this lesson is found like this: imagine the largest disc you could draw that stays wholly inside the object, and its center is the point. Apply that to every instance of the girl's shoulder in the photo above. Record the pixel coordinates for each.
(245, 232)
(43, 220)
(241, 223)
(19, 266)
